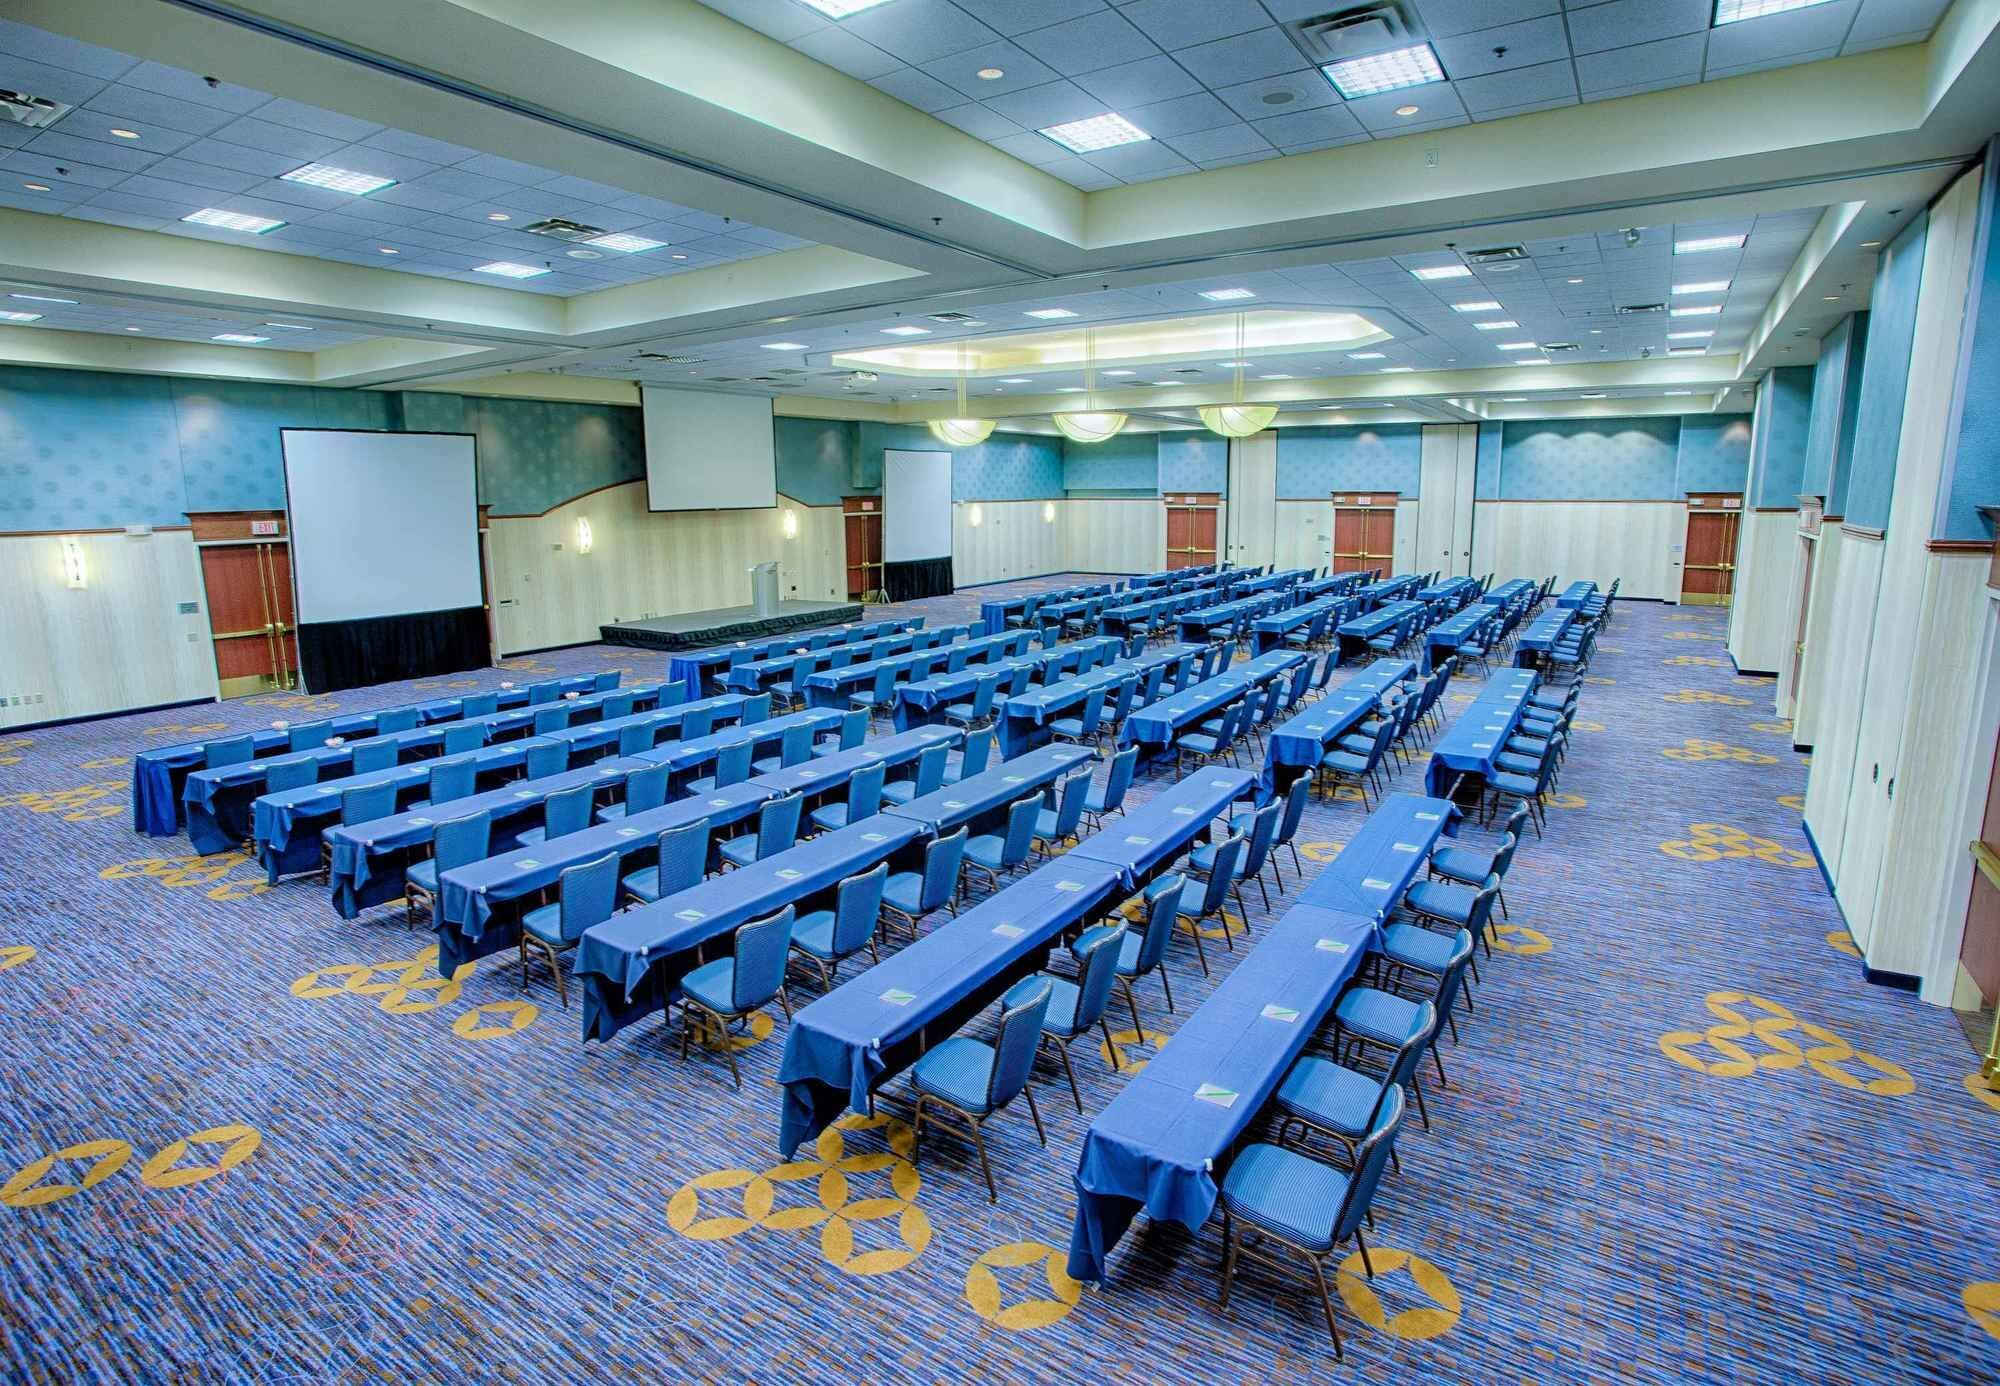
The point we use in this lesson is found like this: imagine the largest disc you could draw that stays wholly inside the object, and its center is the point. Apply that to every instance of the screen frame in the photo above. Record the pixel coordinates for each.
(778, 497)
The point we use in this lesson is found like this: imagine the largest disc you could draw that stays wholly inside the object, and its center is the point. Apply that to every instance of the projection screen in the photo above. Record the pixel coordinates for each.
(708, 451)
(916, 524)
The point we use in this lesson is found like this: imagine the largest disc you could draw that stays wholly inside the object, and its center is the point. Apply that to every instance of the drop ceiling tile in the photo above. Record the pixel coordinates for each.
(300, 146)
(149, 112)
(1244, 58)
(419, 147)
(117, 201)
(53, 144)
(1309, 127)
(1306, 90)
(1052, 103)
(468, 185)
(1447, 17)
(12, 194)
(54, 50)
(582, 190)
(1031, 148)
(506, 170)
(919, 31)
(915, 87)
(191, 86)
(1130, 85)
(1858, 45)
(239, 157)
(1224, 142)
(113, 216)
(1436, 104)
(1182, 23)
(1717, 74)
(1528, 42)
(1018, 70)
(1788, 37)
(89, 124)
(1623, 23)
(42, 169)
(1881, 19)
(1639, 88)
(1019, 16)
(55, 83)
(1312, 146)
(978, 121)
(1486, 96)
(346, 129)
(1088, 44)
(781, 22)
(1165, 119)
(847, 52)
(421, 195)
(1642, 62)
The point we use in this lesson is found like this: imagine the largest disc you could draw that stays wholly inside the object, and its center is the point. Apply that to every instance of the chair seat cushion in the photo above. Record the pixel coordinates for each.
(1378, 1015)
(1202, 858)
(959, 712)
(1517, 763)
(1442, 901)
(545, 924)
(1330, 1096)
(1421, 948)
(713, 985)
(1199, 743)
(768, 765)
(1520, 786)
(739, 851)
(812, 932)
(985, 850)
(1287, 1194)
(1045, 824)
(1061, 1017)
(830, 817)
(904, 890)
(528, 835)
(643, 884)
(1342, 760)
(610, 812)
(1357, 745)
(1462, 863)
(958, 1071)
(899, 792)
(423, 875)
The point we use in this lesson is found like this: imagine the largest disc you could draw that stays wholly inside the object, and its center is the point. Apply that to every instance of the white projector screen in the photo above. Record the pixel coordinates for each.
(916, 505)
(382, 524)
(708, 451)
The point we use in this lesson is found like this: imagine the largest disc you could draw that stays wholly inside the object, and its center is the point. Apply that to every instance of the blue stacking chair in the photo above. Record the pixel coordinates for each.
(233, 750)
(826, 938)
(864, 800)
(729, 990)
(1206, 899)
(696, 723)
(291, 774)
(1256, 855)
(564, 812)
(1287, 830)
(754, 710)
(1508, 787)
(879, 696)
(586, 896)
(683, 861)
(1471, 866)
(637, 738)
(732, 766)
(1207, 747)
(972, 1081)
(1146, 951)
(455, 842)
(908, 896)
(604, 683)
(539, 693)
(545, 758)
(972, 757)
(1440, 959)
(1367, 1016)
(460, 737)
(929, 777)
(1098, 803)
(553, 718)
(448, 780)
(790, 687)
(617, 705)
(1076, 1006)
(361, 804)
(395, 719)
(777, 831)
(853, 731)
(644, 790)
(1295, 1201)
(369, 756)
(994, 856)
(1149, 690)
(303, 736)
(1081, 730)
(478, 704)
(979, 710)
(1056, 827)
(1340, 766)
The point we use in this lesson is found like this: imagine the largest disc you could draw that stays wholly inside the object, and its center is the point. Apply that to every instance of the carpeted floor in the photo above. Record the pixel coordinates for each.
(246, 1141)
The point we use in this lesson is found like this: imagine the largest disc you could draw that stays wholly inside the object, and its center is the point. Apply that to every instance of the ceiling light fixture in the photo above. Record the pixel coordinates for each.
(1702, 335)
(1407, 110)
(1497, 325)
(1865, 245)
(43, 298)
(784, 346)
(498, 216)
(1706, 311)
(1705, 243)
(1686, 351)
(244, 338)
(1275, 375)
(44, 187)
(1415, 66)
(1706, 286)
(626, 242)
(1017, 380)
(1735, 11)
(1430, 272)
(1517, 346)
(290, 326)
(125, 134)
(1397, 370)
(841, 9)
(1121, 372)
(1088, 427)
(991, 74)
(1484, 305)
(344, 180)
(1365, 355)
(233, 221)
(1226, 295)
(1050, 313)
(1680, 392)
(387, 250)
(1107, 131)
(9, 315)
(507, 269)
(1573, 281)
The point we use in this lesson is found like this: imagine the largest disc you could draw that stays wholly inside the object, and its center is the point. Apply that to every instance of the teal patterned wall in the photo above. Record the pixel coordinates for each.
(1713, 455)
(1125, 465)
(1194, 461)
(1836, 394)
(1007, 466)
(816, 460)
(1778, 451)
(1313, 463)
(1589, 459)
(81, 450)
(1885, 377)
(535, 454)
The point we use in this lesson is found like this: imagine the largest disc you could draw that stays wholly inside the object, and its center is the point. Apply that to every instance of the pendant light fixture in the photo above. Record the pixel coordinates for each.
(1090, 425)
(1238, 420)
(961, 432)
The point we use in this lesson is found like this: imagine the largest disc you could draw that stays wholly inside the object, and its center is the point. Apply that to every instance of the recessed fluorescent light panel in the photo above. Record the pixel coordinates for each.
(906, 331)
(1444, 272)
(784, 346)
(1706, 286)
(1226, 295)
(1734, 11)
(233, 221)
(1050, 313)
(290, 326)
(1707, 311)
(1379, 72)
(1364, 355)
(1686, 351)
(1497, 325)
(1702, 243)
(1691, 336)
(1680, 392)
(1485, 305)
(43, 298)
(1093, 133)
(1517, 346)
(8, 315)
(507, 269)
(1397, 370)
(333, 179)
(840, 9)
(244, 338)
(625, 241)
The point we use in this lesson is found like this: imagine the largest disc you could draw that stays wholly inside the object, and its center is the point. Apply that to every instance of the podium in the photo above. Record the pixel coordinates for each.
(764, 589)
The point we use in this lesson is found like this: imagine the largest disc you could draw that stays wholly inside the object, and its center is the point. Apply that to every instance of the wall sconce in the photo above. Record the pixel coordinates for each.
(73, 565)
(790, 524)
(975, 517)
(1048, 512)
(583, 535)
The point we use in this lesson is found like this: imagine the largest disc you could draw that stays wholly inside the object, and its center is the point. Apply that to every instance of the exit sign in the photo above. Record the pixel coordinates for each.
(264, 528)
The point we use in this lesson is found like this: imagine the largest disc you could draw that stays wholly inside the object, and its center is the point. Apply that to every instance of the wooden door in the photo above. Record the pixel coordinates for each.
(1708, 567)
(246, 568)
(1364, 533)
(1979, 953)
(862, 516)
(1191, 529)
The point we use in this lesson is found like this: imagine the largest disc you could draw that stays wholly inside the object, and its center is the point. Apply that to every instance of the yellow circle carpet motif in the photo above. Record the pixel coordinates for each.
(983, 1291)
(1419, 1323)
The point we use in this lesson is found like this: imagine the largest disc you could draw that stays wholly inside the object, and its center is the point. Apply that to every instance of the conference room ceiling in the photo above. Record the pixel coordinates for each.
(1221, 82)
(857, 213)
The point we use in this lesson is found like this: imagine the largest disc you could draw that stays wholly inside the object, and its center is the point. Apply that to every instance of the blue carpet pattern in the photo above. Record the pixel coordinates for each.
(1684, 1141)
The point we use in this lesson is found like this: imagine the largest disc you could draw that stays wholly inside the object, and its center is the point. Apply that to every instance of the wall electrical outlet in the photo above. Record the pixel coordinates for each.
(1431, 157)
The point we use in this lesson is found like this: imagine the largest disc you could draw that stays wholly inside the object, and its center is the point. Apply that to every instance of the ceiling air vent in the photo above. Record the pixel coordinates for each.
(558, 229)
(1188, 370)
(1633, 310)
(35, 112)
(785, 370)
(1497, 255)
(953, 317)
(1560, 346)
(670, 357)
(1354, 32)
(725, 380)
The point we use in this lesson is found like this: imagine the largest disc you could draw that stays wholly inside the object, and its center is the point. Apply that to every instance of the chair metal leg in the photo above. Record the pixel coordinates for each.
(985, 1167)
(1062, 1052)
(1035, 1112)
(1228, 1254)
(1326, 1304)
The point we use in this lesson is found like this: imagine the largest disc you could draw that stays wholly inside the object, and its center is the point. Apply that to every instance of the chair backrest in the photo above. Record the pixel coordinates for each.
(884, 686)
(761, 949)
(458, 841)
(1183, 671)
(853, 728)
(366, 801)
(755, 709)
(1119, 778)
(1019, 679)
(1326, 668)
(864, 792)
(778, 824)
(672, 695)
(1370, 1155)
(1100, 970)
(1151, 689)
(801, 666)
(291, 774)
(955, 659)
(1516, 821)
(645, 789)
(547, 758)
(697, 722)
(857, 908)
(539, 693)
(1020, 831)
(636, 738)
(567, 811)
(1295, 687)
(552, 718)
(1128, 690)
(732, 763)
(1385, 732)
(1550, 755)
(1014, 1047)
(395, 719)
(795, 745)
(1069, 803)
(1295, 809)
(370, 756)
(983, 694)
(452, 779)
(930, 769)
(460, 737)
(941, 862)
(1162, 899)
(604, 683)
(1093, 711)
(478, 704)
(1263, 832)
(683, 857)
(617, 705)
(305, 735)
(1452, 975)
(978, 747)
(1222, 873)
(588, 892)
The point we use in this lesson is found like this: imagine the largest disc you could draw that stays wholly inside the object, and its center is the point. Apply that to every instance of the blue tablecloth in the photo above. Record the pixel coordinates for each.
(835, 687)
(1385, 854)
(1022, 718)
(1294, 747)
(1272, 630)
(603, 735)
(993, 614)
(1154, 728)
(1542, 633)
(1509, 591)
(286, 826)
(1456, 591)
(755, 675)
(1355, 634)
(1148, 837)
(1272, 582)
(1447, 635)
(1389, 589)
(1332, 585)
(696, 667)
(219, 801)
(1197, 624)
(629, 965)
(1470, 744)
(697, 757)
(369, 858)
(825, 776)
(158, 774)
(465, 920)
(1163, 1141)
(845, 1045)
(984, 795)
(1577, 593)
(1171, 575)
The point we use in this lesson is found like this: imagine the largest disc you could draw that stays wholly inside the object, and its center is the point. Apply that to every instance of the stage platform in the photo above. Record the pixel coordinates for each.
(694, 630)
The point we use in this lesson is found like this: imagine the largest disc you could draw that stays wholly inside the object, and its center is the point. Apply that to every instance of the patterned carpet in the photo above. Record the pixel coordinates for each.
(246, 1141)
